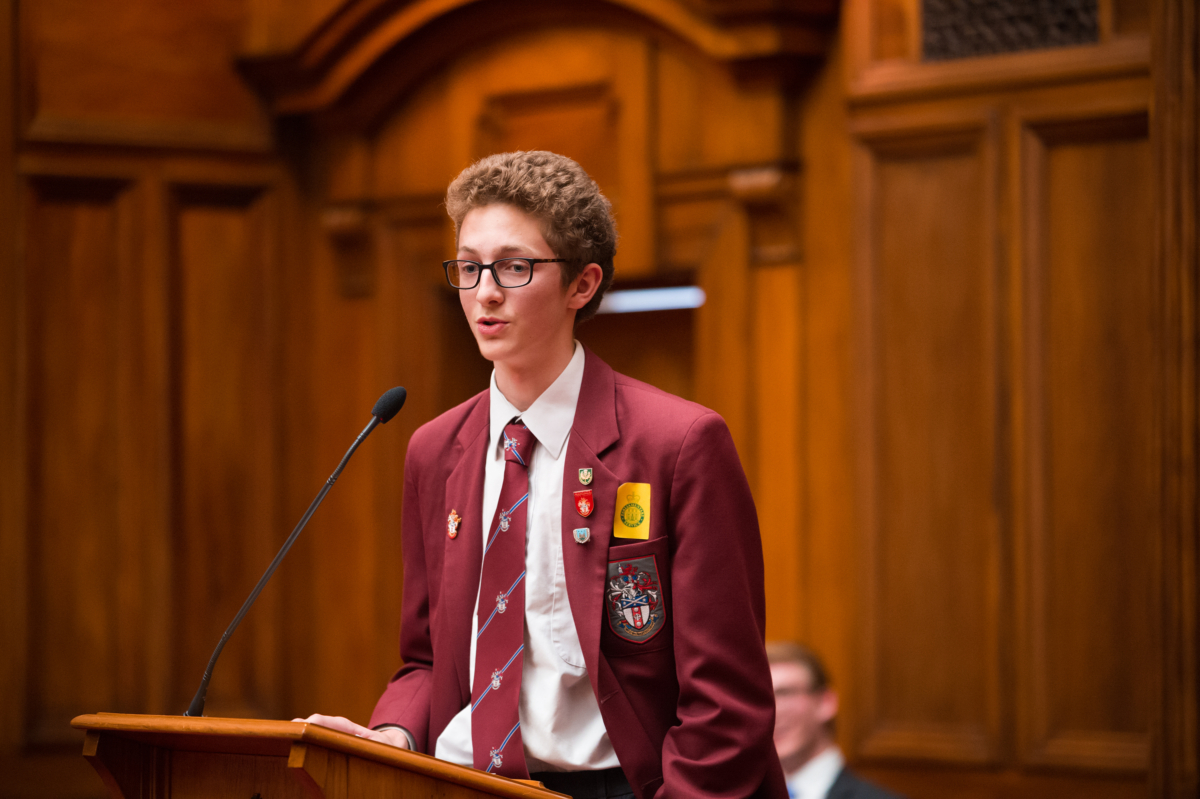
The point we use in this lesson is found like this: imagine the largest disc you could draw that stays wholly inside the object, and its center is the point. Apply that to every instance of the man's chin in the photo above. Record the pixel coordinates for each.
(493, 350)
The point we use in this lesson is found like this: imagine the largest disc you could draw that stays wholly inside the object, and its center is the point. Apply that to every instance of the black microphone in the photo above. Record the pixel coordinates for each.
(388, 406)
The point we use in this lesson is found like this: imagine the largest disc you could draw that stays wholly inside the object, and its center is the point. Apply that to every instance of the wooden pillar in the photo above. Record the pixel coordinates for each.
(1176, 137)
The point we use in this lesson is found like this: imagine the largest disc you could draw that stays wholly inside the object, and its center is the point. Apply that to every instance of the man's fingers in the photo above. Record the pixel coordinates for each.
(391, 737)
(338, 723)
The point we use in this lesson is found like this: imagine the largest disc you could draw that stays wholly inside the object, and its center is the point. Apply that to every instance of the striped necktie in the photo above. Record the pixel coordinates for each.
(500, 639)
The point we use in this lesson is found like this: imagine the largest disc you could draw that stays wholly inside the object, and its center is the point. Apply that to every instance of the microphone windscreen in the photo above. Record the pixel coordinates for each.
(389, 404)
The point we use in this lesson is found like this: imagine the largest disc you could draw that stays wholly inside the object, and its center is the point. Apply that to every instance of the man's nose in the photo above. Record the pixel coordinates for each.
(488, 291)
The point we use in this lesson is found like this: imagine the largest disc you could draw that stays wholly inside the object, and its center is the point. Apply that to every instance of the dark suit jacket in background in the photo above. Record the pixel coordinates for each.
(850, 786)
(690, 712)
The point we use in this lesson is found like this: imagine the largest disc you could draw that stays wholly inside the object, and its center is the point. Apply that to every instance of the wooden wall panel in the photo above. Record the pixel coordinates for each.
(779, 491)
(336, 594)
(1092, 446)
(79, 251)
(931, 685)
(700, 113)
(349, 573)
(141, 73)
(226, 525)
(828, 612)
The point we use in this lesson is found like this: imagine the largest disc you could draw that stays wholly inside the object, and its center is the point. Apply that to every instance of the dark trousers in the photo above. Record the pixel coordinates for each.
(607, 784)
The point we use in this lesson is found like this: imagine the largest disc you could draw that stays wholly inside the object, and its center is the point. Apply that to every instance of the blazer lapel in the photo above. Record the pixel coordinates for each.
(586, 565)
(463, 559)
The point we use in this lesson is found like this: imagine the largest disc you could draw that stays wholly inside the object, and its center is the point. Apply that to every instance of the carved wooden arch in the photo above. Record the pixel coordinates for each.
(398, 42)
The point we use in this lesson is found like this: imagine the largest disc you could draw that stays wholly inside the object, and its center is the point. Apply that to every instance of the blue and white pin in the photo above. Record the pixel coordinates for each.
(582, 535)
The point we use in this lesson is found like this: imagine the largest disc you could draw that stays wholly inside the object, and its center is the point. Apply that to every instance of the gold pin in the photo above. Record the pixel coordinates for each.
(452, 524)
(585, 477)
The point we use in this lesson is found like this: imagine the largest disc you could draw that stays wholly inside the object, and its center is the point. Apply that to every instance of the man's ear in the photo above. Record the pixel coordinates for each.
(584, 286)
(827, 706)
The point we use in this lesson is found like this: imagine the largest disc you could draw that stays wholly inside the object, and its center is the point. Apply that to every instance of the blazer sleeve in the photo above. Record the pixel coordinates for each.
(406, 700)
(723, 744)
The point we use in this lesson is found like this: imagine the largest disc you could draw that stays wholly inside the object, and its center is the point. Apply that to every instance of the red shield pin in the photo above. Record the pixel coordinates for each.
(584, 503)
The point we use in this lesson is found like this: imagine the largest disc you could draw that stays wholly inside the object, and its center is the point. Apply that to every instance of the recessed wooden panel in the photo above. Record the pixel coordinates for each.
(579, 122)
(931, 562)
(79, 628)
(226, 528)
(1092, 446)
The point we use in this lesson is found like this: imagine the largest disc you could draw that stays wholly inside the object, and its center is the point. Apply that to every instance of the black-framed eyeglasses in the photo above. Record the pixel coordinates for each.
(509, 273)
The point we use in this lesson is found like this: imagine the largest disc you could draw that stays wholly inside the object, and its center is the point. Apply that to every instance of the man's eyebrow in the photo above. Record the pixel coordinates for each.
(507, 249)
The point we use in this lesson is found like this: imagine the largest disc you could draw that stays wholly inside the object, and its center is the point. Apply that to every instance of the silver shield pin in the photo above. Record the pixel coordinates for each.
(583, 535)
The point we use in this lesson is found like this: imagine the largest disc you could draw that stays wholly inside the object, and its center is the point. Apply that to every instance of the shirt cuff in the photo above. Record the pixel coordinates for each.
(412, 742)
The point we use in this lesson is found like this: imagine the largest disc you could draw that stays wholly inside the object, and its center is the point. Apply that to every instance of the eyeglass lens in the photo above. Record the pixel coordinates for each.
(509, 272)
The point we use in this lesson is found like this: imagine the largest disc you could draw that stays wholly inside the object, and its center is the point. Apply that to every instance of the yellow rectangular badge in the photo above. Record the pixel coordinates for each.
(632, 517)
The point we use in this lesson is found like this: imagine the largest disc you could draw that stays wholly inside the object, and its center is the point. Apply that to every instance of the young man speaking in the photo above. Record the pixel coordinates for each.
(583, 578)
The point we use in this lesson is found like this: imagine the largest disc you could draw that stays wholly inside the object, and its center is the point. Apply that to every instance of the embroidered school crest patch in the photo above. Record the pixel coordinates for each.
(635, 606)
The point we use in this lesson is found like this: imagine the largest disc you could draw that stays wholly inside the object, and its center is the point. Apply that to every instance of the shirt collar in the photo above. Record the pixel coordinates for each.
(551, 415)
(816, 777)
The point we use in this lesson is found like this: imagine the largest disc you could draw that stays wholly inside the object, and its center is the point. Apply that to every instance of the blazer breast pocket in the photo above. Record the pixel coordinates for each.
(637, 599)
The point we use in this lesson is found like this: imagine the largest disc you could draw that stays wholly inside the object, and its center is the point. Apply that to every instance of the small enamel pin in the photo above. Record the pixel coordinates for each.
(452, 524)
(583, 535)
(585, 477)
(584, 503)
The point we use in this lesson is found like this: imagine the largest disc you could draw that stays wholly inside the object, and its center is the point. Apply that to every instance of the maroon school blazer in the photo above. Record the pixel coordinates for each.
(689, 708)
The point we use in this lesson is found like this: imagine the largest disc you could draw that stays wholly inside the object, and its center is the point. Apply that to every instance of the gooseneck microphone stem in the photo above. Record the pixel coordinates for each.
(382, 412)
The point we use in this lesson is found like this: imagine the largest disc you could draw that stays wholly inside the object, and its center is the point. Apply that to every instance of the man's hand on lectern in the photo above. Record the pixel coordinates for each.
(393, 736)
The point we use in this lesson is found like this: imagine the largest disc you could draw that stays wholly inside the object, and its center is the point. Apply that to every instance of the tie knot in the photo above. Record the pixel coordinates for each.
(518, 443)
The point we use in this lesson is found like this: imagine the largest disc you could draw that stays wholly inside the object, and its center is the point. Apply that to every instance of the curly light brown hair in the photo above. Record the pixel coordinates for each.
(577, 220)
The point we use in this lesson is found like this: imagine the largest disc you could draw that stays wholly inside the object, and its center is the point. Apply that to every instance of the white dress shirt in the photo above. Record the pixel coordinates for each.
(561, 726)
(814, 779)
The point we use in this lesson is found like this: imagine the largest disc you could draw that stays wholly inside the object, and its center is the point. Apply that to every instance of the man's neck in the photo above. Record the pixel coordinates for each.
(802, 758)
(522, 385)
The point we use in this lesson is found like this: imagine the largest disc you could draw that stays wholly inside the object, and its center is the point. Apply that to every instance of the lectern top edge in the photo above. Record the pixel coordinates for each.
(165, 728)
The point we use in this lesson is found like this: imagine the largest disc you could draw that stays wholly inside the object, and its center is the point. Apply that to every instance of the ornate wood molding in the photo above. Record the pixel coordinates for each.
(775, 40)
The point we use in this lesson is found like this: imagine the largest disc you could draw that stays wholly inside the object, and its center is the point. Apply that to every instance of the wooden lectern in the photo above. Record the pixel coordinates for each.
(176, 757)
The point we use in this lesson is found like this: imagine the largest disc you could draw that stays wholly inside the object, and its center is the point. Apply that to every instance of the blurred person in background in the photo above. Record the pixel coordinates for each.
(805, 709)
